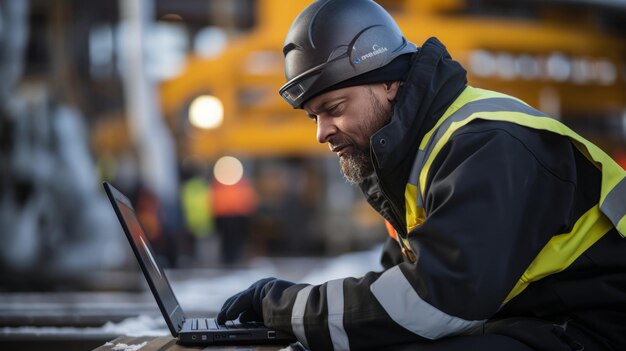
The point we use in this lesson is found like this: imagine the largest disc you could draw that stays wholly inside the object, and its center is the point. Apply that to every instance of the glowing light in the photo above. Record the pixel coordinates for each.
(559, 67)
(581, 71)
(606, 72)
(228, 170)
(505, 66)
(210, 42)
(206, 112)
(482, 63)
(527, 67)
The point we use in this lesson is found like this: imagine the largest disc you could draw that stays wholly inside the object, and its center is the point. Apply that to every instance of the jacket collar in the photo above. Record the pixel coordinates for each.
(433, 82)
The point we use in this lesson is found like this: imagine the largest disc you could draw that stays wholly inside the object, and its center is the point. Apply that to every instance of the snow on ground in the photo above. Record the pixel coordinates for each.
(124, 347)
(138, 326)
(135, 326)
(207, 294)
(348, 265)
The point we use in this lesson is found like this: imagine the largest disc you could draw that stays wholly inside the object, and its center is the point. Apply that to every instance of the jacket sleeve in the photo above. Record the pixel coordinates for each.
(341, 314)
(490, 205)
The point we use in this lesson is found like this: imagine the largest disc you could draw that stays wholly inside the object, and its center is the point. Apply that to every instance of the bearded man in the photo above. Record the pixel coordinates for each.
(506, 227)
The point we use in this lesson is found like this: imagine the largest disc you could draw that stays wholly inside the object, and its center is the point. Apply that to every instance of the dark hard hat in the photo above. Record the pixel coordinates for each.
(332, 41)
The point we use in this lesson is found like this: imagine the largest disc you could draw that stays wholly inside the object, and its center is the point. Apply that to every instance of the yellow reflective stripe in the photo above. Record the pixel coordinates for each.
(414, 214)
(507, 116)
(449, 112)
(563, 249)
(469, 94)
(611, 172)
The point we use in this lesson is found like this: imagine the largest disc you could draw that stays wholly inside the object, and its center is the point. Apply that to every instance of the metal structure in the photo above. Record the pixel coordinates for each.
(557, 58)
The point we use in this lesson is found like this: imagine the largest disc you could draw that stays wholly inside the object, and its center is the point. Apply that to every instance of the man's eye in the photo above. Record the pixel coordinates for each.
(333, 109)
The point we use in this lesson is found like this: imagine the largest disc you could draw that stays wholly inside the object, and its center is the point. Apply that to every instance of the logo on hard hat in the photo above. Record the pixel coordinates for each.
(376, 50)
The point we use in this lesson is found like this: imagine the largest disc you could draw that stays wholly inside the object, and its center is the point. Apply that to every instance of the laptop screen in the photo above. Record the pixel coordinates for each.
(159, 284)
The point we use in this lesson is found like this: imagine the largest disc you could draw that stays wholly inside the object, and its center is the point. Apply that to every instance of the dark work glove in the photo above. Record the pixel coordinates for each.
(248, 304)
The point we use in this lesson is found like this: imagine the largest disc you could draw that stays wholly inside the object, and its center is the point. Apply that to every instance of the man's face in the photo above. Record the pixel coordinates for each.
(346, 120)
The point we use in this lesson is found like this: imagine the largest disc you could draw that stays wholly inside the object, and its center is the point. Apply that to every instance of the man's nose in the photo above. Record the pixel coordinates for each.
(325, 129)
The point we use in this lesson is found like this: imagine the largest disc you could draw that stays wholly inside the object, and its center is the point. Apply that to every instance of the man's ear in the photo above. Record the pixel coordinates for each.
(391, 90)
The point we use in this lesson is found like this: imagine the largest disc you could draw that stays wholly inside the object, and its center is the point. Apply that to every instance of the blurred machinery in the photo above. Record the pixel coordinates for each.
(567, 58)
(54, 226)
(218, 83)
(564, 57)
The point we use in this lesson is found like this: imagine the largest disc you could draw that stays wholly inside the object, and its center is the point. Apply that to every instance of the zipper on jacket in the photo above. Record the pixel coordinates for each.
(395, 212)
(402, 234)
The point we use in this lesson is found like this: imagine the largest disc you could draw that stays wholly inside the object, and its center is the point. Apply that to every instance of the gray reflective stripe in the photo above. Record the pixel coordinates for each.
(615, 203)
(420, 201)
(334, 294)
(394, 292)
(483, 105)
(297, 315)
(414, 178)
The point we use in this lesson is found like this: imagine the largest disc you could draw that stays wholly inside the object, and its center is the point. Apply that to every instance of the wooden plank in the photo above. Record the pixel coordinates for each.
(167, 343)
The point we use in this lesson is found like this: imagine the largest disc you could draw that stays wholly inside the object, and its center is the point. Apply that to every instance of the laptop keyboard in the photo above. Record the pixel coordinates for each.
(211, 324)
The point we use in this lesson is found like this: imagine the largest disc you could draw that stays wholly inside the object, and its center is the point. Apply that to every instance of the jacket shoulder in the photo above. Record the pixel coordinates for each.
(554, 152)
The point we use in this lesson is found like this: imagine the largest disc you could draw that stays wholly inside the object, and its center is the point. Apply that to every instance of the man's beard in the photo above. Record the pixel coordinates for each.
(357, 166)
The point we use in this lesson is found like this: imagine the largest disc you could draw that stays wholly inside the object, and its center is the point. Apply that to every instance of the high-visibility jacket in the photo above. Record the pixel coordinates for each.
(510, 223)
(561, 250)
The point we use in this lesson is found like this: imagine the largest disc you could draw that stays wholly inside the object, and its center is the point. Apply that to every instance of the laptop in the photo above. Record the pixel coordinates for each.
(189, 331)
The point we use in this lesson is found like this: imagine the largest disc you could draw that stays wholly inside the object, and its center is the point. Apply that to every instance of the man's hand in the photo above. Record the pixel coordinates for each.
(248, 304)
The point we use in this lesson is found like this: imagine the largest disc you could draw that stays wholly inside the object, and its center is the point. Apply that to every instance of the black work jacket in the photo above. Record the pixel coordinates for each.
(584, 305)
(480, 234)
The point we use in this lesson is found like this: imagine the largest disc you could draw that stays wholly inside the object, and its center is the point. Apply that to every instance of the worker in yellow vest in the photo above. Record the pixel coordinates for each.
(508, 226)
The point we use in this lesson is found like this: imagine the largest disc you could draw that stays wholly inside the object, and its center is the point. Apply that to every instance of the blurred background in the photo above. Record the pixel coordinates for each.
(175, 103)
